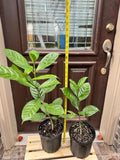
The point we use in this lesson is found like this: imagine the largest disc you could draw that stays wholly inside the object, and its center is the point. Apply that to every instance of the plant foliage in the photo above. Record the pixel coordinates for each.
(77, 93)
(37, 90)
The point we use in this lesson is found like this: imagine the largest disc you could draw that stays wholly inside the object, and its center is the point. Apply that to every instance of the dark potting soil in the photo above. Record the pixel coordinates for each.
(46, 129)
(85, 135)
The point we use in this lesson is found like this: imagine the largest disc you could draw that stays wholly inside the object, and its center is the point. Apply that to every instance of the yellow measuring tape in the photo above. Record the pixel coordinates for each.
(66, 58)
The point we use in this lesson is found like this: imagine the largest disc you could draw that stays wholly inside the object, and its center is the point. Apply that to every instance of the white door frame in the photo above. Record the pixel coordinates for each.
(8, 127)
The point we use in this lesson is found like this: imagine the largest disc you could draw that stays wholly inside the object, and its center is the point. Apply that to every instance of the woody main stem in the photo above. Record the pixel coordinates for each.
(45, 109)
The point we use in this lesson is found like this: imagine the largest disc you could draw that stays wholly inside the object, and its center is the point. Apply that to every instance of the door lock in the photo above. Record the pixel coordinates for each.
(110, 27)
(107, 46)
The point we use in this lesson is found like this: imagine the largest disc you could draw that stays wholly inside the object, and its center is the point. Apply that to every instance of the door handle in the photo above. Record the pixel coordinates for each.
(107, 46)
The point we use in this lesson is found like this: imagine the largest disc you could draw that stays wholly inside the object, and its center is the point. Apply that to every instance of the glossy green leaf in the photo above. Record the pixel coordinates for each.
(16, 68)
(84, 91)
(71, 112)
(75, 104)
(30, 109)
(28, 70)
(81, 81)
(17, 59)
(48, 89)
(67, 92)
(38, 117)
(49, 83)
(34, 91)
(12, 74)
(73, 86)
(58, 101)
(43, 108)
(54, 118)
(34, 55)
(25, 83)
(71, 115)
(47, 76)
(89, 111)
(68, 116)
(47, 61)
(30, 80)
(54, 109)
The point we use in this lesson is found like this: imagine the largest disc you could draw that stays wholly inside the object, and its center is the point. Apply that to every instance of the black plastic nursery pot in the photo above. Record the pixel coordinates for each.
(81, 150)
(50, 144)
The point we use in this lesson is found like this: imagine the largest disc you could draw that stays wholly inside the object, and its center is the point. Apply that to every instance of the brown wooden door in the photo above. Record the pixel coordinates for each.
(82, 61)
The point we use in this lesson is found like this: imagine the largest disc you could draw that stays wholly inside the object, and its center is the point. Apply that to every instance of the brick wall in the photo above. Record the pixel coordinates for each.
(1, 147)
(116, 142)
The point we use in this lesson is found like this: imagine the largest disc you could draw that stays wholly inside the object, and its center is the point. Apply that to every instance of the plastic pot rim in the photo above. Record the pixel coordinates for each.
(53, 136)
(84, 143)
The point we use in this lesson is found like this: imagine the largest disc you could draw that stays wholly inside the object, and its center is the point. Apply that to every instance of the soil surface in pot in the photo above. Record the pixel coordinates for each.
(46, 129)
(85, 136)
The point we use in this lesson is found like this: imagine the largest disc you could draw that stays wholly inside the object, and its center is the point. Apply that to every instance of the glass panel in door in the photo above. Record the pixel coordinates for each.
(46, 23)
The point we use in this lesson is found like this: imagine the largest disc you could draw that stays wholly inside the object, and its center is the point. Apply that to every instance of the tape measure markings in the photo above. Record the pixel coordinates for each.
(66, 59)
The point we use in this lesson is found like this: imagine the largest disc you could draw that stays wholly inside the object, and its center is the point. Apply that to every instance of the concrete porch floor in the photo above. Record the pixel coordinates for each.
(103, 151)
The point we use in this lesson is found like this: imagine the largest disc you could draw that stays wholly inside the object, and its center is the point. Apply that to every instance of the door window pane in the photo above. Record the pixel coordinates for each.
(46, 23)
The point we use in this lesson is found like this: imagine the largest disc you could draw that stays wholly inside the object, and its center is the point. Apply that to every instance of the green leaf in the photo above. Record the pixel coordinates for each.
(67, 92)
(47, 61)
(34, 91)
(48, 89)
(28, 69)
(75, 104)
(17, 59)
(38, 117)
(54, 118)
(12, 74)
(81, 81)
(25, 83)
(73, 86)
(82, 113)
(30, 109)
(54, 109)
(43, 108)
(89, 111)
(30, 80)
(58, 101)
(34, 55)
(47, 76)
(16, 68)
(71, 112)
(84, 91)
(71, 115)
(49, 83)
(68, 116)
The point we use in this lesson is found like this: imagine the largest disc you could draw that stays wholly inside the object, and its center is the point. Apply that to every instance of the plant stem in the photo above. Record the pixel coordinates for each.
(45, 109)
(34, 71)
(80, 125)
(80, 121)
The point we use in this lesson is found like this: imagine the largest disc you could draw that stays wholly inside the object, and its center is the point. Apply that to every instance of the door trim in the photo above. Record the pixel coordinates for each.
(8, 127)
(111, 110)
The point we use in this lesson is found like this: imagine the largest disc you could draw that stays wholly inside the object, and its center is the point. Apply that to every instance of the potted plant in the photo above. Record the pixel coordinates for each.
(50, 130)
(81, 133)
